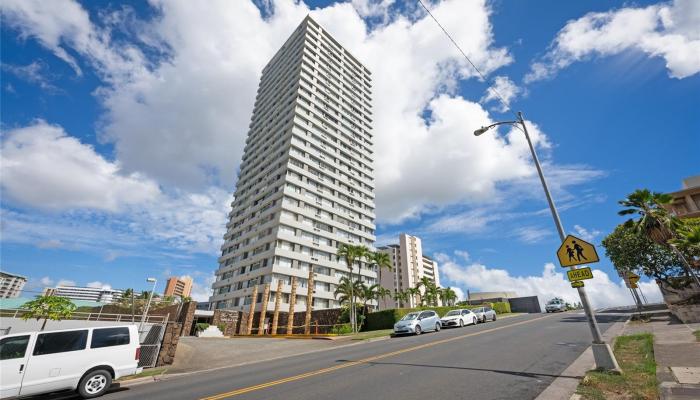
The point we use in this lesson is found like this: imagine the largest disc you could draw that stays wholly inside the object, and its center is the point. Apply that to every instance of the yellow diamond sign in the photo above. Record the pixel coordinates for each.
(576, 251)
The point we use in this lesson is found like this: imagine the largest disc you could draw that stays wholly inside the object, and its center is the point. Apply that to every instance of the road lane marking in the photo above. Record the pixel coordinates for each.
(362, 361)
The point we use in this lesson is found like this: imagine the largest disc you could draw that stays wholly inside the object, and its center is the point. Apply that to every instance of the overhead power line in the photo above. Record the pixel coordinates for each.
(491, 87)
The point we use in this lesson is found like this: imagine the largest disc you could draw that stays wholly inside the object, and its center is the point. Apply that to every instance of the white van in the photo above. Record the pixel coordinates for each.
(86, 360)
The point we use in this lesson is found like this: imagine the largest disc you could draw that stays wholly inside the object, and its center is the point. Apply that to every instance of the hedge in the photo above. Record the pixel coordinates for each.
(386, 319)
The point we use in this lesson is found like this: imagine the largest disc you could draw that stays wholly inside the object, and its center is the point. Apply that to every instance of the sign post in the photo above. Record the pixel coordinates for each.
(576, 251)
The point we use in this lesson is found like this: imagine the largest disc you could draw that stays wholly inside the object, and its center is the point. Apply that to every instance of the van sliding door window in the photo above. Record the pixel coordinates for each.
(108, 337)
(60, 342)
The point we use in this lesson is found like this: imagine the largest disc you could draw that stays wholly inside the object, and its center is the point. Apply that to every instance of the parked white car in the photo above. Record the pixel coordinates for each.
(459, 318)
(484, 314)
(418, 322)
(85, 360)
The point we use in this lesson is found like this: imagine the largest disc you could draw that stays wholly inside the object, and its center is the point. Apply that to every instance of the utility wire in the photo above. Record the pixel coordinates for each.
(492, 88)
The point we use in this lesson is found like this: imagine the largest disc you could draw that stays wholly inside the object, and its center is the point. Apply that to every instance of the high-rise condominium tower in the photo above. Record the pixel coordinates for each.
(409, 267)
(306, 180)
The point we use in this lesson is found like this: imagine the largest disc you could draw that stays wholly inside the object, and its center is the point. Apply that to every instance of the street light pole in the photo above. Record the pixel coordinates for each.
(604, 357)
(148, 304)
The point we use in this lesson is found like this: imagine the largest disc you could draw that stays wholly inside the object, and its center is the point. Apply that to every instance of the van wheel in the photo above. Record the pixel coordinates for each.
(418, 330)
(94, 384)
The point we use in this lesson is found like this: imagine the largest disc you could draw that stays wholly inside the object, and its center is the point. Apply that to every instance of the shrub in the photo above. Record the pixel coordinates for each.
(342, 329)
(501, 307)
(201, 326)
(222, 327)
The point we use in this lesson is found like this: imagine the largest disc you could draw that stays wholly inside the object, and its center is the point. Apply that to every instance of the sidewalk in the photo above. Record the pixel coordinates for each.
(677, 354)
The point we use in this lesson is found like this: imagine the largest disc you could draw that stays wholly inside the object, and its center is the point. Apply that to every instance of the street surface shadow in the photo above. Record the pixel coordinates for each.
(602, 319)
(70, 395)
(532, 375)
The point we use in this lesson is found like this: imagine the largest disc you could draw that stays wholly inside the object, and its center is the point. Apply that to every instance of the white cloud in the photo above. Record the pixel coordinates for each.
(667, 30)
(531, 234)
(459, 293)
(502, 91)
(464, 255)
(585, 234)
(46, 281)
(65, 282)
(99, 285)
(602, 291)
(45, 168)
(202, 291)
(32, 73)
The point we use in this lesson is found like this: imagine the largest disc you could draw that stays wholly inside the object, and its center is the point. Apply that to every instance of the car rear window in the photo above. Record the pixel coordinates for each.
(60, 342)
(107, 337)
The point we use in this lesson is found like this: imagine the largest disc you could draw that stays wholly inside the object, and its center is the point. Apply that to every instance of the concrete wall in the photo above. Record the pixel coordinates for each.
(530, 304)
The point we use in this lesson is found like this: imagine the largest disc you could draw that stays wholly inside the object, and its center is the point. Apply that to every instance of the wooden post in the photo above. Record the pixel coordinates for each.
(263, 310)
(292, 302)
(278, 300)
(309, 301)
(251, 314)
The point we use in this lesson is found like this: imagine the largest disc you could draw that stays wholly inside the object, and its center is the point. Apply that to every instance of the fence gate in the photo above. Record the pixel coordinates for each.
(150, 344)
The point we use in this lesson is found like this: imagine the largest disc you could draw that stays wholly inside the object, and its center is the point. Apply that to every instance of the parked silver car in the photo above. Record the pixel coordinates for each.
(484, 314)
(554, 305)
(418, 322)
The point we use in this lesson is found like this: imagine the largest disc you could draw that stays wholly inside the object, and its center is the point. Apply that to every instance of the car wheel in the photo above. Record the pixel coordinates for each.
(94, 384)
(474, 321)
(437, 327)
(494, 317)
(418, 330)
(461, 323)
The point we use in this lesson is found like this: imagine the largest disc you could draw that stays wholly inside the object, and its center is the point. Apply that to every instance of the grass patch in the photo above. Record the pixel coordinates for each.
(635, 354)
(371, 334)
(145, 373)
(697, 335)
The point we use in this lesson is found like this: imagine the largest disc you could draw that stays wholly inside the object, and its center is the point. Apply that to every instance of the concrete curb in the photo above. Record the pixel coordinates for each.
(565, 388)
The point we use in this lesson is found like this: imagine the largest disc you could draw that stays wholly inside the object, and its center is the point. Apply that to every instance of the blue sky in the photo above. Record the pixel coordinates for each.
(123, 126)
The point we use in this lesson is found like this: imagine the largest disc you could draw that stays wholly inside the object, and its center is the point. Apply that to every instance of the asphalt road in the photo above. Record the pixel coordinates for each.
(512, 358)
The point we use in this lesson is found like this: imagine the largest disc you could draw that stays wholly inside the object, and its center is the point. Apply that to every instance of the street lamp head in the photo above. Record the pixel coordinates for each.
(151, 280)
(480, 131)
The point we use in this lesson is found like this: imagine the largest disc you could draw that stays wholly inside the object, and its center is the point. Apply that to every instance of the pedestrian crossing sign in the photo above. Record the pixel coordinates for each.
(576, 251)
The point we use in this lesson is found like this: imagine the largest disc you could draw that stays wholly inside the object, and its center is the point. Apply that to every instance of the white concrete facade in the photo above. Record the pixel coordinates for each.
(306, 182)
(11, 285)
(101, 295)
(409, 266)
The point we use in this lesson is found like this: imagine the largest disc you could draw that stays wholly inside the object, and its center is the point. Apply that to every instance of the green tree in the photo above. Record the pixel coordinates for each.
(688, 241)
(448, 296)
(655, 222)
(352, 254)
(401, 297)
(415, 294)
(53, 308)
(629, 251)
(382, 294)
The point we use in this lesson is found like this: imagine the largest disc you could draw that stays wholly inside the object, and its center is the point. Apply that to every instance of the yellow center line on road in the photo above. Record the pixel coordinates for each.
(362, 361)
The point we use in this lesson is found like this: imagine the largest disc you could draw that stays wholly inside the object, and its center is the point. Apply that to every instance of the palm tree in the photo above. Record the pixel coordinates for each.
(688, 240)
(344, 290)
(415, 294)
(368, 293)
(382, 294)
(401, 297)
(448, 296)
(655, 222)
(351, 254)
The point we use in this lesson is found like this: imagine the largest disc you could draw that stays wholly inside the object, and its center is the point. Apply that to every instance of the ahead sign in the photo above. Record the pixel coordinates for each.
(579, 274)
(575, 251)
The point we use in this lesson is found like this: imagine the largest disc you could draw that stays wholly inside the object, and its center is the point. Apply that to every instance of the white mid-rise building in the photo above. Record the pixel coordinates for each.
(11, 285)
(306, 182)
(101, 295)
(409, 266)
